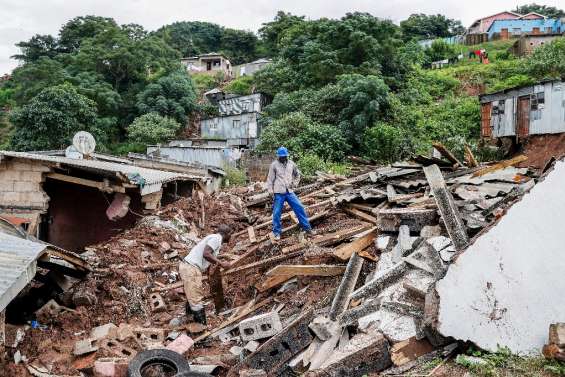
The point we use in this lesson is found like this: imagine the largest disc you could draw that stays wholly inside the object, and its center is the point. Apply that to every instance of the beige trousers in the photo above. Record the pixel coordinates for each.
(192, 280)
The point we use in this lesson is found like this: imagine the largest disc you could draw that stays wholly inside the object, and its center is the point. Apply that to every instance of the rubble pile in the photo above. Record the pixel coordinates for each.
(359, 297)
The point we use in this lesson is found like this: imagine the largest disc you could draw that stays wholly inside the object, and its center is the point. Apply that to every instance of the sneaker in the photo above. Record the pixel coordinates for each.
(276, 237)
(311, 233)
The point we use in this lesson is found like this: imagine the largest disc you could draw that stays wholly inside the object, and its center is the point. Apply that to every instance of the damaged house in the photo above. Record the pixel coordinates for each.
(72, 203)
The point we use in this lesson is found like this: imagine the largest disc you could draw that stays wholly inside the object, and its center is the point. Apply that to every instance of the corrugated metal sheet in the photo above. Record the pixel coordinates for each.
(209, 156)
(242, 104)
(18, 265)
(151, 180)
(242, 126)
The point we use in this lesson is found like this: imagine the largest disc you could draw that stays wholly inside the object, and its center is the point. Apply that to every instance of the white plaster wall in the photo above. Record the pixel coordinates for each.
(508, 286)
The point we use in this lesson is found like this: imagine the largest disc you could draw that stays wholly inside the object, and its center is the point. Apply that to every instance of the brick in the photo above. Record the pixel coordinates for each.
(6, 186)
(110, 367)
(157, 303)
(181, 344)
(260, 326)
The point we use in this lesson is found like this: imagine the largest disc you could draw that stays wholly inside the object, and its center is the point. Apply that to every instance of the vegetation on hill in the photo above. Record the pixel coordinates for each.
(356, 85)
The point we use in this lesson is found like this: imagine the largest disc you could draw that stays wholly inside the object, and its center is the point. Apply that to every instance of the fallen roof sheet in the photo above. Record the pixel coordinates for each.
(18, 259)
(507, 287)
(150, 180)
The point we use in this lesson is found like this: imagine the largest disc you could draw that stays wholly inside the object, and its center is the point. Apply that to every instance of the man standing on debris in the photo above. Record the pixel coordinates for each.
(196, 263)
(283, 178)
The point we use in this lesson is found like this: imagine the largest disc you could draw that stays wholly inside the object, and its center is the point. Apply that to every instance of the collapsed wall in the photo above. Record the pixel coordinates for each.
(507, 287)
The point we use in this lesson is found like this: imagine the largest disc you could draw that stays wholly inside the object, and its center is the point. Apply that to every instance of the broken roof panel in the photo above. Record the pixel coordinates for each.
(149, 180)
(17, 265)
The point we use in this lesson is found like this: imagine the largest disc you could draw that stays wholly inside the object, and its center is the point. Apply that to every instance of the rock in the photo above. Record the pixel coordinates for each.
(178, 245)
(172, 255)
(195, 328)
(252, 346)
(48, 311)
(164, 247)
(103, 331)
(236, 350)
(173, 335)
(127, 243)
(177, 322)
(181, 344)
(291, 284)
(84, 298)
(17, 357)
(252, 373)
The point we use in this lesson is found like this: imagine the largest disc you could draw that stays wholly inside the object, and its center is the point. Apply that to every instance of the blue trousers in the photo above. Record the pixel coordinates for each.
(296, 206)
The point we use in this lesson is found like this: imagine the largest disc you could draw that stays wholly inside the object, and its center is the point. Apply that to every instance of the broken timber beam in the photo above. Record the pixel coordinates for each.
(264, 262)
(361, 215)
(330, 239)
(217, 288)
(100, 185)
(344, 252)
(347, 285)
(447, 207)
(470, 158)
(251, 233)
(447, 154)
(282, 273)
(500, 165)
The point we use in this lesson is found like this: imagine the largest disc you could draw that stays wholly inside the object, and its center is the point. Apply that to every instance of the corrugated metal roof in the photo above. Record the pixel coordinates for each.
(17, 265)
(150, 180)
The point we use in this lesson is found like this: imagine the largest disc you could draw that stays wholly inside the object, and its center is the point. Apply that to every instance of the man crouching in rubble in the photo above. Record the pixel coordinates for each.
(196, 263)
(283, 177)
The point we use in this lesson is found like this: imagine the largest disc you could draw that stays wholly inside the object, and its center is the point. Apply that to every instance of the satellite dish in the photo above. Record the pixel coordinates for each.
(71, 152)
(84, 142)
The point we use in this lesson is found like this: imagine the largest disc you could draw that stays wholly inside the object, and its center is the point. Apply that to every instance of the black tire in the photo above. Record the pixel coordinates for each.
(172, 361)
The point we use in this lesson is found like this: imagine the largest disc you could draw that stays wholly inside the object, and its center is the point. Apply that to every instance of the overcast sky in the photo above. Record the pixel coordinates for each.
(21, 19)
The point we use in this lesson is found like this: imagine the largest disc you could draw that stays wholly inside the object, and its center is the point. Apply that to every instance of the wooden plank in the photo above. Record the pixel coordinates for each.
(330, 239)
(246, 255)
(102, 186)
(470, 159)
(251, 233)
(294, 218)
(264, 262)
(362, 207)
(232, 320)
(217, 288)
(500, 165)
(361, 215)
(272, 281)
(408, 350)
(306, 270)
(345, 251)
(447, 153)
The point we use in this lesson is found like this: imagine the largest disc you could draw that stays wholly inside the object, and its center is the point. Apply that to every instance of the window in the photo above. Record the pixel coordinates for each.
(217, 63)
(516, 31)
(236, 123)
(537, 101)
(213, 126)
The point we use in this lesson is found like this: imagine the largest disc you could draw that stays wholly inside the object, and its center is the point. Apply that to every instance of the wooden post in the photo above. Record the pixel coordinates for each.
(2, 328)
(217, 288)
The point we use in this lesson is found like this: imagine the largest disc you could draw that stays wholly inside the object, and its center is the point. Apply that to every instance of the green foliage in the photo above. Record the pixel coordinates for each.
(386, 143)
(421, 26)
(79, 29)
(547, 61)
(234, 177)
(242, 85)
(37, 47)
(204, 82)
(548, 11)
(51, 119)
(171, 96)
(152, 128)
(440, 50)
(301, 135)
(309, 164)
(272, 33)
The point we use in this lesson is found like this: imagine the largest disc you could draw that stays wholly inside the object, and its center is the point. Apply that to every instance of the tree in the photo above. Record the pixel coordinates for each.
(239, 46)
(192, 37)
(422, 26)
(271, 33)
(51, 119)
(79, 29)
(548, 11)
(31, 78)
(547, 60)
(152, 128)
(171, 96)
(37, 47)
(440, 50)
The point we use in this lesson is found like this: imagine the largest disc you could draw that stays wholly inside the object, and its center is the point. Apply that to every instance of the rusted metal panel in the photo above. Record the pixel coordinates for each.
(486, 128)
(523, 119)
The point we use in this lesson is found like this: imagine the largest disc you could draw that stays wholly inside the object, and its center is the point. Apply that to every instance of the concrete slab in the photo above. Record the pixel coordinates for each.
(507, 287)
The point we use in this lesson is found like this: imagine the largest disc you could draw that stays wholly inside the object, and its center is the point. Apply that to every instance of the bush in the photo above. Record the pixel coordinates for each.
(385, 143)
(242, 85)
(547, 61)
(234, 177)
(152, 128)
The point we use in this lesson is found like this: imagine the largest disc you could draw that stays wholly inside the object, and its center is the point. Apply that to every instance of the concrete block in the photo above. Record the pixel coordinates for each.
(84, 346)
(10, 197)
(149, 335)
(118, 349)
(110, 367)
(23, 186)
(260, 327)
(157, 303)
(104, 331)
(10, 175)
(31, 176)
(181, 344)
(324, 328)
(20, 165)
(124, 331)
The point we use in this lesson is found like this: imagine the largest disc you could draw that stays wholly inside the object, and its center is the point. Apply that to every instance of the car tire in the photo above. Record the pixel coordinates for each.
(173, 361)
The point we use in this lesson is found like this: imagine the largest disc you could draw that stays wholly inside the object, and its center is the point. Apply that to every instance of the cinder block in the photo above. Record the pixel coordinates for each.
(261, 326)
(117, 348)
(6, 186)
(25, 186)
(157, 303)
(19, 165)
(84, 346)
(10, 175)
(10, 197)
(104, 331)
(110, 367)
(31, 176)
(33, 197)
(40, 167)
(149, 336)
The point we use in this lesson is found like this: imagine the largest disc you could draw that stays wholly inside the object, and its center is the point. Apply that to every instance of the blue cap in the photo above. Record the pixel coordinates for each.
(282, 152)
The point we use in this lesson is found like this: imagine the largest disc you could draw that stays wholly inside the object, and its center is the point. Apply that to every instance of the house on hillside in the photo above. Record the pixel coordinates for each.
(250, 68)
(477, 32)
(527, 43)
(524, 111)
(506, 29)
(211, 63)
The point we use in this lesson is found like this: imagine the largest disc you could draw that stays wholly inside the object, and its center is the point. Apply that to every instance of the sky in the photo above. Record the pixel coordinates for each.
(21, 19)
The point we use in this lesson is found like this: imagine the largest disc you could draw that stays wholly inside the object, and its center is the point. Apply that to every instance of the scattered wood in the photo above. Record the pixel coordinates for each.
(264, 262)
(344, 252)
(331, 238)
(361, 215)
(500, 165)
(215, 282)
(447, 154)
(470, 157)
(282, 273)
(409, 350)
(251, 232)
